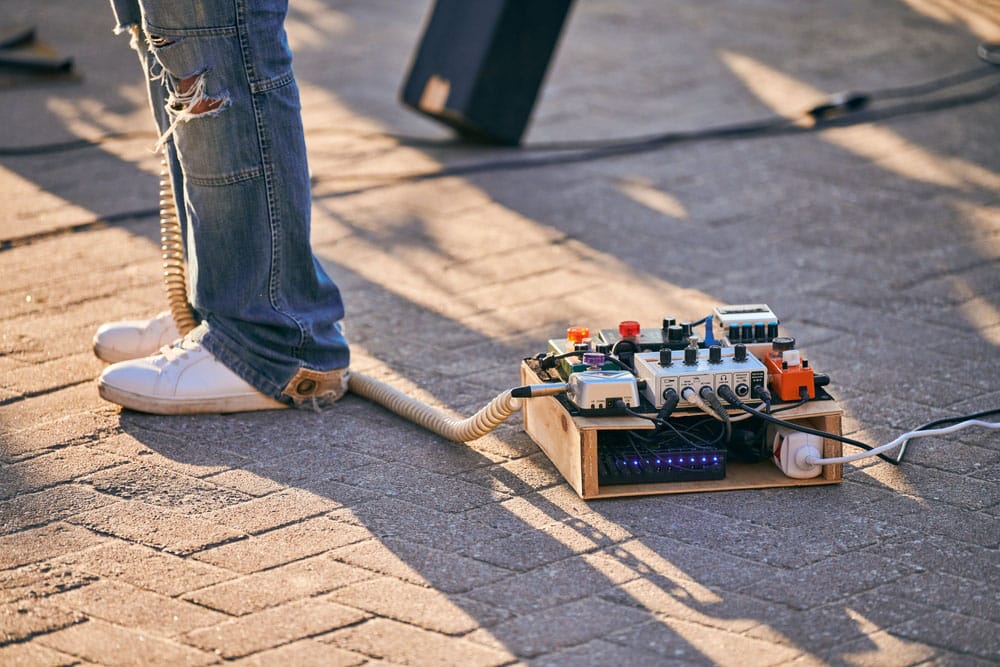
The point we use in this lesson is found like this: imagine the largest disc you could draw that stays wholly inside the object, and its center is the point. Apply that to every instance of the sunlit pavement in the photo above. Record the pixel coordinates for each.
(353, 537)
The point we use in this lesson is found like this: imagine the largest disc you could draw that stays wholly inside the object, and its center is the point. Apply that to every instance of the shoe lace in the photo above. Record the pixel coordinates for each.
(178, 350)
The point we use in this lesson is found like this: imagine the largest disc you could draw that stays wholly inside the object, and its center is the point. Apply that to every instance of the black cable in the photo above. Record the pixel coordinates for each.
(845, 102)
(803, 399)
(684, 435)
(942, 422)
(632, 413)
(989, 53)
(733, 399)
(713, 401)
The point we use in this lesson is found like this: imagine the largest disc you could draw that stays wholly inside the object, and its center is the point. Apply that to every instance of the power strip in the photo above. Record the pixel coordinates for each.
(699, 368)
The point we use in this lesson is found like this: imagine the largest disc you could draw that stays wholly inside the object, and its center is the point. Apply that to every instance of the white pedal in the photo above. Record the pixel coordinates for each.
(600, 390)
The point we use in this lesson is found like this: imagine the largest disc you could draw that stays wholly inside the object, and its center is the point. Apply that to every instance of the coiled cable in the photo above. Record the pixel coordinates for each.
(459, 430)
(172, 253)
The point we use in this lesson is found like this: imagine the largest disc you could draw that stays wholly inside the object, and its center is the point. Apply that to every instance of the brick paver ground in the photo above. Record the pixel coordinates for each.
(352, 537)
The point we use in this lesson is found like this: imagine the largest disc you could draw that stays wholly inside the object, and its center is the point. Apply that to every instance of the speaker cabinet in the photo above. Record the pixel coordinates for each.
(480, 64)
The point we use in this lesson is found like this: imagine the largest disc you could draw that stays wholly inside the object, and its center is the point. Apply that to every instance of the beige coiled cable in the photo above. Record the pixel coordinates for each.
(458, 430)
(172, 249)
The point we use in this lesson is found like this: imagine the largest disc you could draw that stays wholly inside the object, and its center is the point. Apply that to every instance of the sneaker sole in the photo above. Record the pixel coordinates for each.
(187, 406)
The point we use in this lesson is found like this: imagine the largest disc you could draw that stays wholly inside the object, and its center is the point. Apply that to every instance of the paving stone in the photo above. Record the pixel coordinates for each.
(823, 629)
(959, 490)
(423, 450)
(62, 465)
(245, 481)
(392, 518)
(304, 652)
(303, 467)
(105, 644)
(35, 509)
(686, 600)
(40, 580)
(163, 488)
(517, 477)
(829, 580)
(127, 606)
(22, 620)
(958, 524)
(409, 603)
(273, 627)
(407, 645)
(566, 625)
(951, 658)
(54, 375)
(675, 639)
(954, 632)
(156, 527)
(876, 243)
(880, 648)
(419, 564)
(940, 554)
(300, 579)
(35, 655)
(527, 551)
(664, 558)
(50, 433)
(791, 508)
(260, 552)
(38, 544)
(146, 568)
(551, 585)
(418, 486)
(278, 509)
(172, 452)
(599, 651)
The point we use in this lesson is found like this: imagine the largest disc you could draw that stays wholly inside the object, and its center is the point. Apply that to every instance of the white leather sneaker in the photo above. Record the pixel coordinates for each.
(133, 339)
(182, 379)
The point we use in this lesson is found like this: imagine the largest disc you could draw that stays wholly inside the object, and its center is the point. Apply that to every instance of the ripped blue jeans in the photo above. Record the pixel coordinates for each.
(227, 107)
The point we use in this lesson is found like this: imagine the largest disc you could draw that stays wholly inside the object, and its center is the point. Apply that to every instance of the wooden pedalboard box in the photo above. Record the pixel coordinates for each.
(571, 443)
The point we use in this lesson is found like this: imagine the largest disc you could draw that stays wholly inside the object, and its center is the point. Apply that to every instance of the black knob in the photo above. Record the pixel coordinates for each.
(690, 355)
(675, 334)
(748, 332)
(734, 333)
(669, 322)
(715, 354)
(772, 330)
(687, 328)
(760, 332)
(782, 343)
(740, 352)
(665, 358)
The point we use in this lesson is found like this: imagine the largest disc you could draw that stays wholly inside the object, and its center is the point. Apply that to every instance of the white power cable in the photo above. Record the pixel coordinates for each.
(902, 440)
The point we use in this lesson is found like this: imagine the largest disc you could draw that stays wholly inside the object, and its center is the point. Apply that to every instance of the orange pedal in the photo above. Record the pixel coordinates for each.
(786, 383)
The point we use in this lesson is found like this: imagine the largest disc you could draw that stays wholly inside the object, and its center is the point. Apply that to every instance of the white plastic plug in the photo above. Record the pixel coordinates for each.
(792, 450)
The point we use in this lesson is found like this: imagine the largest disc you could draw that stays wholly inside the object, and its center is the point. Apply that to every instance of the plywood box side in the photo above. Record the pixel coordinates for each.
(555, 432)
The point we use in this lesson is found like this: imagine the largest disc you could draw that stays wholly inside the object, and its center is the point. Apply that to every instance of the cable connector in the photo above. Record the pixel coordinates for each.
(839, 104)
(759, 391)
(535, 390)
(670, 401)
